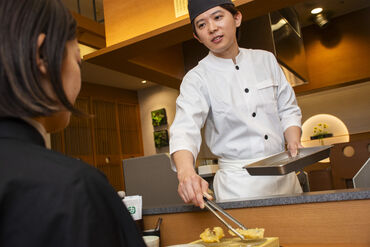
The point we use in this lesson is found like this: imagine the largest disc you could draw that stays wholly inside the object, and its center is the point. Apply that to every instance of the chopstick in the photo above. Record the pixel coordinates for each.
(212, 206)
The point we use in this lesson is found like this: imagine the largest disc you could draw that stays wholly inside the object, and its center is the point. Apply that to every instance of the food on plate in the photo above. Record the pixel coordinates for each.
(255, 233)
(212, 236)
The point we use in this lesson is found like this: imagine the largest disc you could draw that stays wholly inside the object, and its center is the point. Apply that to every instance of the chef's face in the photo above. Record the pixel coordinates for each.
(216, 29)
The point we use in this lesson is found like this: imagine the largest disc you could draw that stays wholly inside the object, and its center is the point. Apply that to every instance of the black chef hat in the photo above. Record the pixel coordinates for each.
(197, 7)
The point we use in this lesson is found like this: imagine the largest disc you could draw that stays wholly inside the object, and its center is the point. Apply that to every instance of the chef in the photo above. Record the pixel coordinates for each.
(246, 104)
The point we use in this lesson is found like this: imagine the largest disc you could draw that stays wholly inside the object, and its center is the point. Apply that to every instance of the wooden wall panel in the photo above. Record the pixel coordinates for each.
(110, 135)
(339, 53)
(344, 168)
(77, 136)
(107, 142)
(130, 131)
(105, 127)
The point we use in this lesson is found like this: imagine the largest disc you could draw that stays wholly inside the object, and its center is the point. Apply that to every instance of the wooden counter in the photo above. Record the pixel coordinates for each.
(332, 223)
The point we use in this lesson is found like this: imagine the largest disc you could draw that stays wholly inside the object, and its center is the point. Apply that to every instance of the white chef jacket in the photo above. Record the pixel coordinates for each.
(246, 107)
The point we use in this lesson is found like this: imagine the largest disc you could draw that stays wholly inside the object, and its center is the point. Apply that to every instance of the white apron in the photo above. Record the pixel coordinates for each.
(232, 181)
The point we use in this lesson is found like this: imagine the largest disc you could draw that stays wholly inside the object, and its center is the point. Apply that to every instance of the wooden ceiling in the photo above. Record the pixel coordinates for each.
(157, 55)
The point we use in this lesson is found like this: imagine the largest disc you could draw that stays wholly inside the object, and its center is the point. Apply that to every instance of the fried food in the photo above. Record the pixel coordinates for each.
(255, 233)
(212, 236)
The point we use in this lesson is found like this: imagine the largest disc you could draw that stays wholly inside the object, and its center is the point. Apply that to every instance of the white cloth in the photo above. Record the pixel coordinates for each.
(247, 109)
(233, 181)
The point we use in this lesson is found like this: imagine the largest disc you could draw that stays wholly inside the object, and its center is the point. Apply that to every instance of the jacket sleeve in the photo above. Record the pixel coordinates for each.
(192, 107)
(289, 111)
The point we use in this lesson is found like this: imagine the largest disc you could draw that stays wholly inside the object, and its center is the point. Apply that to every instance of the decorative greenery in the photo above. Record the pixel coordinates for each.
(161, 138)
(320, 131)
(159, 117)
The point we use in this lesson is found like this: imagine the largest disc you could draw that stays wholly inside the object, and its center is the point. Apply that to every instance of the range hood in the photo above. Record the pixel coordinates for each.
(278, 32)
(288, 45)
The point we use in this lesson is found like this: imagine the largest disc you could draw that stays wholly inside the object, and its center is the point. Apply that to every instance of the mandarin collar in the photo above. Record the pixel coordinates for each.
(223, 63)
(16, 128)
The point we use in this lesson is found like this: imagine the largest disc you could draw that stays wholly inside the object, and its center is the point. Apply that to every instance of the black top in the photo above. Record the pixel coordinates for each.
(48, 199)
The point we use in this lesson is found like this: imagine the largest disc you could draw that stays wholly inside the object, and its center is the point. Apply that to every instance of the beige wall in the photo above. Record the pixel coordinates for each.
(154, 98)
(351, 104)
(150, 99)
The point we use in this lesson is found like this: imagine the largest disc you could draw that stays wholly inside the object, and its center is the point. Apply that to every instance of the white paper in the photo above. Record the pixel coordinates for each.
(134, 205)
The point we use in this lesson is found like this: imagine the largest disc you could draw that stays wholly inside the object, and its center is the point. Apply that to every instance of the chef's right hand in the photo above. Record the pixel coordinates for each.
(192, 187)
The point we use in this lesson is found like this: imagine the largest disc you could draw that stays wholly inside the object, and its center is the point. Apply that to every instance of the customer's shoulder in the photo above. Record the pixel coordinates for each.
(29, 157)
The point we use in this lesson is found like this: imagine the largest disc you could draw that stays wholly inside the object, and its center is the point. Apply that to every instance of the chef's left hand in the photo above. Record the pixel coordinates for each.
(293, 148)
(293, 138)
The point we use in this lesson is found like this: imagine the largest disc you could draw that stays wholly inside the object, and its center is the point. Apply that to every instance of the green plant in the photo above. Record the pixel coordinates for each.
(161, 138)
(159, 117)
(321, 129)
(321, 132)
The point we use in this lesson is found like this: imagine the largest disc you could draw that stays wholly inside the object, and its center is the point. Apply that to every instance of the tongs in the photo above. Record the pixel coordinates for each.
(212, 206)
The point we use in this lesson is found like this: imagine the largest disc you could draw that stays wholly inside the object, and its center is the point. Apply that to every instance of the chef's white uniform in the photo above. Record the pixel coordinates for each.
(246, 107)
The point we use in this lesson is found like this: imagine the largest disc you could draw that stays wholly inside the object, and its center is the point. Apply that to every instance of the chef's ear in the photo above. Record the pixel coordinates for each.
(40, 59)
(197, 38)
(238, 18)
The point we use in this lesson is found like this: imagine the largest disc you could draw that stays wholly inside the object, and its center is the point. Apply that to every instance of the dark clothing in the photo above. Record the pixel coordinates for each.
(48, 199)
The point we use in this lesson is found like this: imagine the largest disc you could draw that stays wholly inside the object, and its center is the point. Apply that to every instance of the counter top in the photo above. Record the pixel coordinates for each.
(309, 197)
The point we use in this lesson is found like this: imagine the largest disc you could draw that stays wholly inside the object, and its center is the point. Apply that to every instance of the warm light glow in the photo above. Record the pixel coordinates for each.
(143, 82)
(333, 125)
(316, 11)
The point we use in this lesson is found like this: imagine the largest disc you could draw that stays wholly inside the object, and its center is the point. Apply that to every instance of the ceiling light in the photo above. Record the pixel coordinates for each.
(316, 11)
(321, 20)
(143, 82)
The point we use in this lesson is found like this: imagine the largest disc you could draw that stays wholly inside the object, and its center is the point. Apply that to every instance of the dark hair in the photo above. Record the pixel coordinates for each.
(229, 7)
(21, 22)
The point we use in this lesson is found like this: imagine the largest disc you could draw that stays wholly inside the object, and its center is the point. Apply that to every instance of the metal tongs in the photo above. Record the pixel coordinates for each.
(212, 206)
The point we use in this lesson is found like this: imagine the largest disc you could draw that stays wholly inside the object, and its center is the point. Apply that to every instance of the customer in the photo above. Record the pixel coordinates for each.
(46, 198)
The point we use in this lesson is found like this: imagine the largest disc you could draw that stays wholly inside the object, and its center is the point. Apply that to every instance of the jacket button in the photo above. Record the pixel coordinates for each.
(266, 137)
(246, 90)
(237, 67)
(254, 114)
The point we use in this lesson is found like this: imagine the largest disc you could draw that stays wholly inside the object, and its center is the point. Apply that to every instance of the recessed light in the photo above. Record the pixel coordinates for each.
(143, 82)
(316, 11)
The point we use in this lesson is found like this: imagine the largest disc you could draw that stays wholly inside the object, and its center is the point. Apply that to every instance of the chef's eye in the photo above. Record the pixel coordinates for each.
(201, 25)
(218, 17)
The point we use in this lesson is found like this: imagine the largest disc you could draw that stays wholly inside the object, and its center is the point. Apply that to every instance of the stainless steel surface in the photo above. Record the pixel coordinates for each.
(283, 163)
(153, 179)
(211, 206)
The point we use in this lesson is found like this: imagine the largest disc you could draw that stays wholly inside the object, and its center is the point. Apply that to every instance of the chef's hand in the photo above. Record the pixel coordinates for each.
(191, 186)
(293, 138)
(293, 148)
